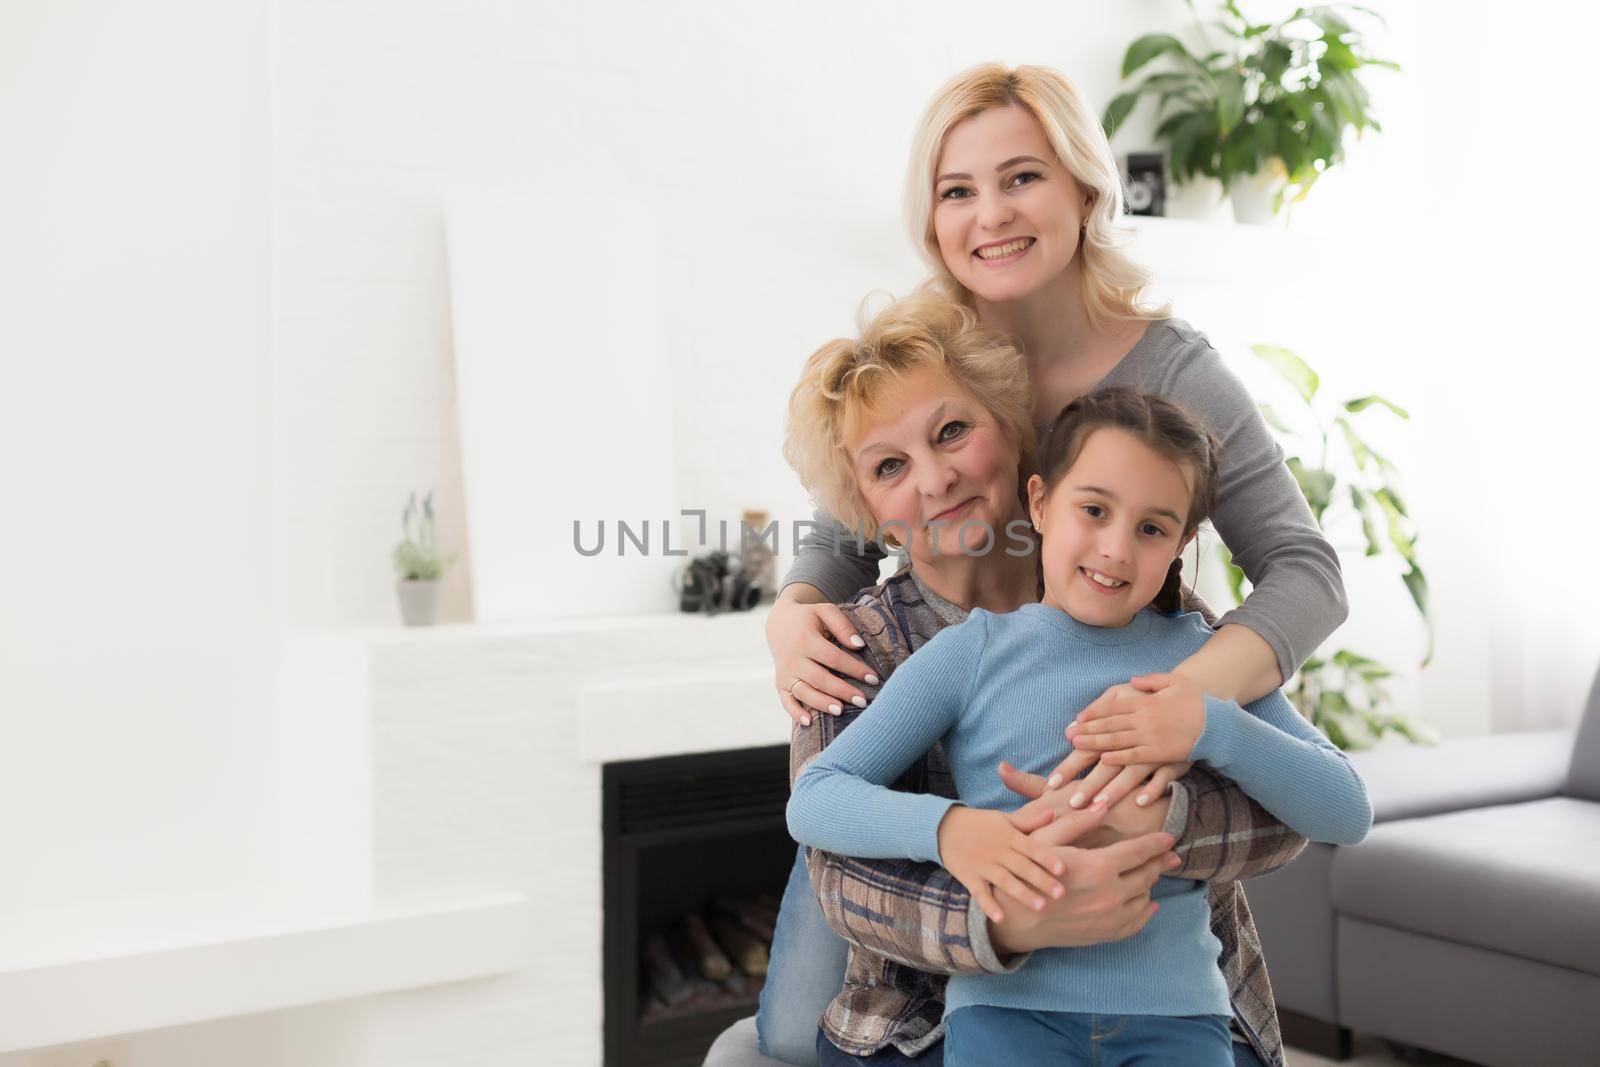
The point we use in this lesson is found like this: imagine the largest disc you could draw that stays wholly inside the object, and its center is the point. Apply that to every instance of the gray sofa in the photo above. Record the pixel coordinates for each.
(1468, 922)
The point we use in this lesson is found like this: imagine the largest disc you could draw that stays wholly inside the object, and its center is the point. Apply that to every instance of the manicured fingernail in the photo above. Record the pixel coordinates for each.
(1038, 903)
(1101, 799)
(1098, 805)
(1054, 781)
(1143, 799)
(1076, 800)
(836, 709)
(855, 639)
(859, 702)
(1173, 862)
(805, 720)
(872, 679)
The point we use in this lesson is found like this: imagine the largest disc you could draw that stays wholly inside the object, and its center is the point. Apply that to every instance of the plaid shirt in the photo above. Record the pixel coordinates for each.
(910, 924)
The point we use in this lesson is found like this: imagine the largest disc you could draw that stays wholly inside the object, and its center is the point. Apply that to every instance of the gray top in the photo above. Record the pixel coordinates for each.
(1297, 597)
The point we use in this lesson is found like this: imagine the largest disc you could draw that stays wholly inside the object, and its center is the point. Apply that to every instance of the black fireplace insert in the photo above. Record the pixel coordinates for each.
(689, 841)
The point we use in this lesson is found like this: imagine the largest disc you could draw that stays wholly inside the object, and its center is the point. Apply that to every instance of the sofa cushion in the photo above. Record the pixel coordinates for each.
(1519, 878)
(1405, 781)
(1583, 778)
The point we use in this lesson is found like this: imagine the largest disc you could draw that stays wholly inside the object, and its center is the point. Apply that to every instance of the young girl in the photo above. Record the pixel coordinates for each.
(1124, 481)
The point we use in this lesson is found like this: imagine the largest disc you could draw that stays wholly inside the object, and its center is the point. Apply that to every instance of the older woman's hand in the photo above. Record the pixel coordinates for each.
(808, 643)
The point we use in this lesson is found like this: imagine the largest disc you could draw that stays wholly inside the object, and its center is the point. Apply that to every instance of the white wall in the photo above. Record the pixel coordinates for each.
(137, 636)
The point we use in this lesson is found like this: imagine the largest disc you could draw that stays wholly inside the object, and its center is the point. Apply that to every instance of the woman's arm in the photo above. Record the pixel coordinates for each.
(810, 675)
(833, 561)
(1297, 597)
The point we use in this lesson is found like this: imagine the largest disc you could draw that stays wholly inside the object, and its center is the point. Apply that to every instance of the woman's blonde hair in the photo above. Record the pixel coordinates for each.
(846, 376)
(1113, 285)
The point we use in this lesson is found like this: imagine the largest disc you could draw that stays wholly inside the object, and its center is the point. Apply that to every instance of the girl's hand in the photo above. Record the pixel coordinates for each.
(988, 850)
(1162, 729)
(802, 655)
(1104, 783)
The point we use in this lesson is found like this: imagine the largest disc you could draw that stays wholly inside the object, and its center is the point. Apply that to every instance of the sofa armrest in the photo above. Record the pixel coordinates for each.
(1471, 772)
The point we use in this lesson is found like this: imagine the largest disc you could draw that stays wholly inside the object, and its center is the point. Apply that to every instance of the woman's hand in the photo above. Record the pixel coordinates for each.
(1161, 729)
(802, 655)
(989, 850)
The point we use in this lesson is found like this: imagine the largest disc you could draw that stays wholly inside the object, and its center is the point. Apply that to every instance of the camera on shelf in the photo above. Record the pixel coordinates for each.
(713, 582)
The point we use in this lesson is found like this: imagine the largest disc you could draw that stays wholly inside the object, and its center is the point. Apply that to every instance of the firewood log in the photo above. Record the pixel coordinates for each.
(710, 959)
(665, 976)
(753, 917)
(743, 946)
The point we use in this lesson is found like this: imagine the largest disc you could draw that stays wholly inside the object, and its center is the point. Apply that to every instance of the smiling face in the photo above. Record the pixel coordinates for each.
(1007, 214)
(929, 459)
(1111, 527)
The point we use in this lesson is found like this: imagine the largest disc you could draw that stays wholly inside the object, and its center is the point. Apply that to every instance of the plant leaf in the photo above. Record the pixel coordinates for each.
(1358, 448)
(1291, 368)
(1117, 111)
(1364, 505)
(1150, 46)
(1273, 420)
(1316, 484)
(1364, 402)
(1417, 586)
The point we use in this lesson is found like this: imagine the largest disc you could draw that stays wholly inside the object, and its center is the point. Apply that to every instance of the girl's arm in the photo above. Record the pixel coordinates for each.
(842, 801)
(1284, 762)
(1274, 755)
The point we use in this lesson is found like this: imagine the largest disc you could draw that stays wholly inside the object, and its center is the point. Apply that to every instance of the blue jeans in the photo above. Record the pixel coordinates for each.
(805, 972)
(982, 1035)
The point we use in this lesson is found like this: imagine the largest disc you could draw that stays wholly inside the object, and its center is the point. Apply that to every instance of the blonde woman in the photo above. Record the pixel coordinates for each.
(1014, 198)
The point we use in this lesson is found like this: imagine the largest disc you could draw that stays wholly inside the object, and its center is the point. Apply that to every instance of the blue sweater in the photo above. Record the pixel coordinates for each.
(1003, 687)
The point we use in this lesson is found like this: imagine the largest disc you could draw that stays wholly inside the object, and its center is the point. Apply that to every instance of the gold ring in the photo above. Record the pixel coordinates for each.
(792, 685)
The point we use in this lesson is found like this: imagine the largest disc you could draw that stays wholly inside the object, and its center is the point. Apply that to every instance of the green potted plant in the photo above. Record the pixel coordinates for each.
(1349, 485)
(419, 563)
(1265, 113)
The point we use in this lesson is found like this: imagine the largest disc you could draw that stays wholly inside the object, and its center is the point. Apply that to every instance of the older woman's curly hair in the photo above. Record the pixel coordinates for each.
(846, 376)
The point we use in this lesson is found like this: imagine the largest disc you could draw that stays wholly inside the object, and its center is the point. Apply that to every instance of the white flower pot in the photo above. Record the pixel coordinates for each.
(1202, 199)
(419, 601)
(1253, 197)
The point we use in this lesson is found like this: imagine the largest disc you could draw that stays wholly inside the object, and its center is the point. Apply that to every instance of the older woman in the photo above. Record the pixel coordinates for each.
(920, 430)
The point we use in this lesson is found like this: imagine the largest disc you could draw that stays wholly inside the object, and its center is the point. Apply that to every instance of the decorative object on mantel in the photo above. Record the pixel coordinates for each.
(755, 555)
(1348, 484)
(717, 581)
(419, 563)
(1146, 183)
(1265, 114)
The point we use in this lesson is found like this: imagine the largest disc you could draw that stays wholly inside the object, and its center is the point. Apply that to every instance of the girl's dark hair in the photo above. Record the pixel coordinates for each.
(1166, 427)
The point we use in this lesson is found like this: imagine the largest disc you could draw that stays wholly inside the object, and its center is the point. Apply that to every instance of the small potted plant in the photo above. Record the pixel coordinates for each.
(419, 564)
(1265, 113)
